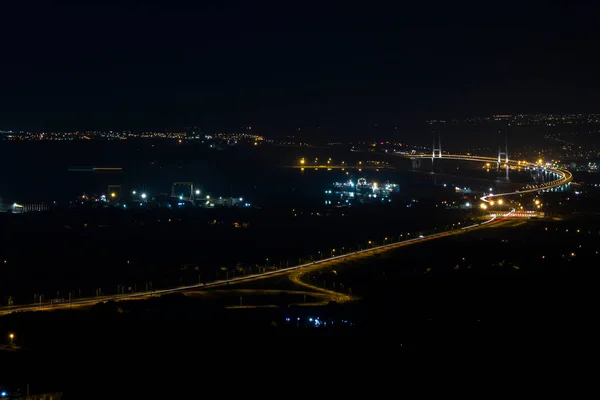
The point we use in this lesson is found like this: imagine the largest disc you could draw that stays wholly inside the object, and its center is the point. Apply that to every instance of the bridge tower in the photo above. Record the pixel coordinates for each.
(503, 152)
(416, 162)
(437, 147)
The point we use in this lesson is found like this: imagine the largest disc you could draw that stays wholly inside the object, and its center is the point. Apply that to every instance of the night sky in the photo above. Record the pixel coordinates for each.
(281, 65)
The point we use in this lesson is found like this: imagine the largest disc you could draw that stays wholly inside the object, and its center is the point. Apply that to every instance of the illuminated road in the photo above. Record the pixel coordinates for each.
(564, 175)
(298, 271)
(295, 277)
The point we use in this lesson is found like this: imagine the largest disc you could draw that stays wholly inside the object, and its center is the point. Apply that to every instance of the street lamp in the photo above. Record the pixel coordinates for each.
(144, 195)
(197, 192)
(113, 195)
(11, 337)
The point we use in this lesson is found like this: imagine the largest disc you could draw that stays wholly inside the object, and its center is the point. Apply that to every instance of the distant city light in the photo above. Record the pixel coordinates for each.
(483, 206)
(113, 195)
(144, 195)
(491, 189)
(197, 191)
(468, 204)
(500, 201)
(180, 197)
(134, 192)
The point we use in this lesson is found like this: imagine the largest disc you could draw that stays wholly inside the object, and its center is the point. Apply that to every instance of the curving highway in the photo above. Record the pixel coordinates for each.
(86, 302)
(562, 176)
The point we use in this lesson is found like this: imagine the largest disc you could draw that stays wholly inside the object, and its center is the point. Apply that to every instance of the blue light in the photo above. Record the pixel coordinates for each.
(310, 319)
(3, 394)
(287, 319)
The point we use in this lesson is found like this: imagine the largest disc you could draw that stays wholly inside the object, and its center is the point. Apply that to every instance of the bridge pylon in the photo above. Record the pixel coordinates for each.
(437, 145)
(503, 152)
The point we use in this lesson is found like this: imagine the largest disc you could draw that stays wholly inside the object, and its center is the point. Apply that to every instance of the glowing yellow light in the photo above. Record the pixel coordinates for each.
(537, 202)
(302, 161)
(492, 203)
(483, 206)
(540, 161)
(113, 195)
(500, 201)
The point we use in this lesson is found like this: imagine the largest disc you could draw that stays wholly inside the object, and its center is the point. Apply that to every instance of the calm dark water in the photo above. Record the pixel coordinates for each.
(34, 172)
(43, 253)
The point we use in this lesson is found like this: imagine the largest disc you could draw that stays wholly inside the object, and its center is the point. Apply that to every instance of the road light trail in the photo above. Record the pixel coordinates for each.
(146, 295)
(565, 176)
